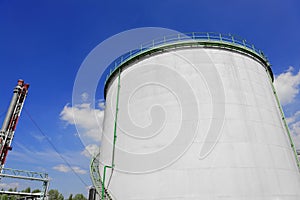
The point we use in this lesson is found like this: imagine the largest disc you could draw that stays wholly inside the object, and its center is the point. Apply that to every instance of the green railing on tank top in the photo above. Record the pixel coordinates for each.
(210, 37)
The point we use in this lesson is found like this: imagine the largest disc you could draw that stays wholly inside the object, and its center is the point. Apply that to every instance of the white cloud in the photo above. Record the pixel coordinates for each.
(47, 157)
(101, 104)
(90, 150)
(61, 168)
(84, 96)
(287, 86)
(7, 186)
(295, 131)
(38, 137)
(294, 126)
(293, 118)
(88, 120)
(78, 170)
(66, 169)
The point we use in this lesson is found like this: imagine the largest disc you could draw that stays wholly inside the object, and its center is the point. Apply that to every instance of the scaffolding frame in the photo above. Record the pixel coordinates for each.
(27, 175)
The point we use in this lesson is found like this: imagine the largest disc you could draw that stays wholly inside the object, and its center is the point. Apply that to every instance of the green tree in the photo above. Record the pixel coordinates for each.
(79, 197)
(70, 197)
(27, 190)
(36, 191)
(55, 195)
(4, 197)
(13, 197)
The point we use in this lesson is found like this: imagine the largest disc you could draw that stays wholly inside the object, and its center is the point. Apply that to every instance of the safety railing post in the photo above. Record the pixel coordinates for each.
(244, 43)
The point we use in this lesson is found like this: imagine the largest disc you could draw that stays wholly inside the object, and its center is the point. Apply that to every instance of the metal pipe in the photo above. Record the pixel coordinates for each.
(103, 187)
(114, 140)
(11, 120)
(12, 106)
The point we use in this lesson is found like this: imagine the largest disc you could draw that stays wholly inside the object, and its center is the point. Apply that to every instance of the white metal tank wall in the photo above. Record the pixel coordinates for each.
(197, 123)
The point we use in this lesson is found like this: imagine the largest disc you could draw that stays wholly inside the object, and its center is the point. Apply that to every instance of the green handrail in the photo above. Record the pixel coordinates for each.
(112, 166)
(210, 37)
(284, 121)
(96, 177)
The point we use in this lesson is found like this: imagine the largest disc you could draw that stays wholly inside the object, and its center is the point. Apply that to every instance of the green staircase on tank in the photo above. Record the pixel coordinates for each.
(97, 179)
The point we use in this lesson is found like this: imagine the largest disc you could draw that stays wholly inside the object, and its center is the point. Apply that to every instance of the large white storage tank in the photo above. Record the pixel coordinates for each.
(196, 118)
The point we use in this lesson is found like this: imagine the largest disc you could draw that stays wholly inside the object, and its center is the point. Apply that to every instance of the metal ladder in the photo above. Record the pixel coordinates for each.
(97, 179)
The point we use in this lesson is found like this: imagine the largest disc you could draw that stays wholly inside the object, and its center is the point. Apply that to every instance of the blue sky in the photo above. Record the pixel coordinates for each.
(45, 42)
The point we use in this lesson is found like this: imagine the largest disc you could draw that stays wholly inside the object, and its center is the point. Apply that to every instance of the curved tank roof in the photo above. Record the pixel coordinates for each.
(195, 39)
